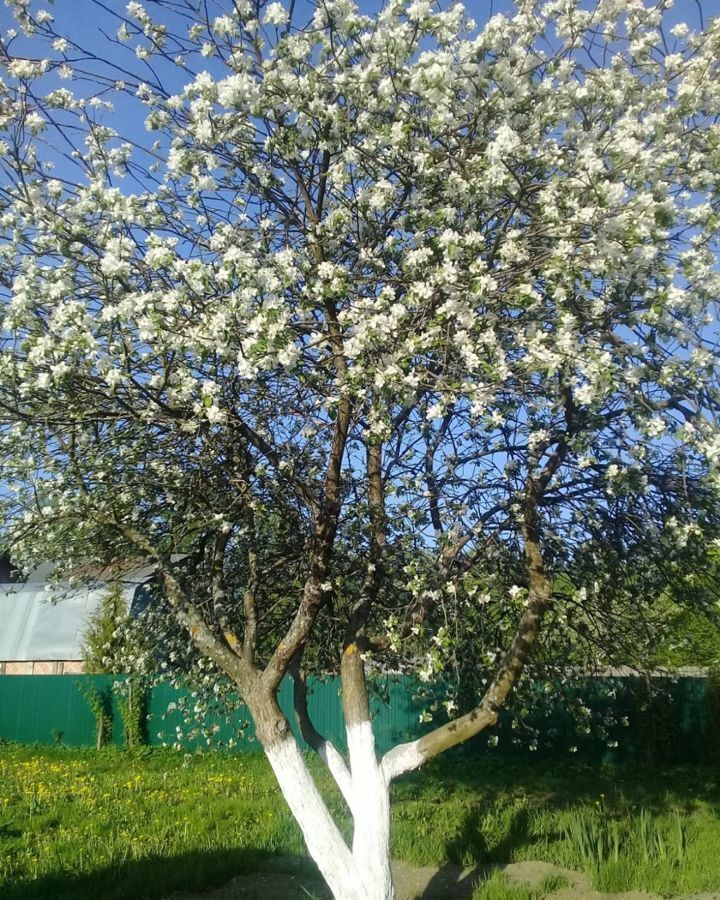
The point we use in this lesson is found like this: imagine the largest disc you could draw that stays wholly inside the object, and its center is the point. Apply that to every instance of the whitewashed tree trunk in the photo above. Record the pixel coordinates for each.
(363, 873)
(371, 813)
(322, 837)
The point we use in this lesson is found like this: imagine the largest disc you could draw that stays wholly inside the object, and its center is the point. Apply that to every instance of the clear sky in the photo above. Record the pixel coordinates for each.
(88, 14)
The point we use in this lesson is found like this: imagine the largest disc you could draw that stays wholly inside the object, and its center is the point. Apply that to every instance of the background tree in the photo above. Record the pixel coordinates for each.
(690, 611)
(441, 297)
(104, 650)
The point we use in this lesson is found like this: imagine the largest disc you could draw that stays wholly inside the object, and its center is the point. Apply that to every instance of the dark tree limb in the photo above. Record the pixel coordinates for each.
(325, 749)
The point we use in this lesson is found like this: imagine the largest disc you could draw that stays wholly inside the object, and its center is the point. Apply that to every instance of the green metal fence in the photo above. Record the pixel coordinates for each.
(677, 721)
(47, 709)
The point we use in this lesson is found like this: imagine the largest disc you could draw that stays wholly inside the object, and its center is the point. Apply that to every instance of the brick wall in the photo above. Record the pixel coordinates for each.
(42, 667)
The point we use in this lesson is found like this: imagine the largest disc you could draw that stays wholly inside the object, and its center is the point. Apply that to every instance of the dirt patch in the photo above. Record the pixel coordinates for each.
(419, 883)
(263, 886)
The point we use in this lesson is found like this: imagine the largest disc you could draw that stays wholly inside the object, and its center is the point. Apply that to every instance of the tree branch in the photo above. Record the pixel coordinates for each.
(325, 749)
(413, 754)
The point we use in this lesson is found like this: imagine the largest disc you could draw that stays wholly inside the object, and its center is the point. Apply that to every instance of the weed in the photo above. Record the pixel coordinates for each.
(666, 844)
(131, 697)
(100, 703)
(594, 837)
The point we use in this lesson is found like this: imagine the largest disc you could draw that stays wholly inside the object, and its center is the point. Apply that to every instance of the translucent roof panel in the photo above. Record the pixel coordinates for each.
(35, 627)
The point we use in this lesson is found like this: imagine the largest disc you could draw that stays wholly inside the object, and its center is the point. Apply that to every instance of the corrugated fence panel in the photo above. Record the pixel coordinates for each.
(680, 723)
(45, 709)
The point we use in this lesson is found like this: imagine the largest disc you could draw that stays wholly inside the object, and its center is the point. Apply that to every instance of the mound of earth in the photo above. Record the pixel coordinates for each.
(421, 883)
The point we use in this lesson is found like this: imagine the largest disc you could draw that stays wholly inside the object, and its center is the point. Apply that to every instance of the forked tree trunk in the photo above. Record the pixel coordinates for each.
(362, 873)
(325, 844)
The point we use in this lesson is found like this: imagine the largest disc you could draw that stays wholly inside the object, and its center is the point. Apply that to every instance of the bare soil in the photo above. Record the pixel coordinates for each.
(413, 883)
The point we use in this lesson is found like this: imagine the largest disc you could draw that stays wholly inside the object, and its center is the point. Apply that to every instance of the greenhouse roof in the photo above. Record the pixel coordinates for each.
(37, 624)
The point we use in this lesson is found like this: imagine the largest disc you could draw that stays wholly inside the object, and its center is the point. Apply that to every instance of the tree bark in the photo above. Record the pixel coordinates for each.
(362, 873)
(323, 839)
(370, 786)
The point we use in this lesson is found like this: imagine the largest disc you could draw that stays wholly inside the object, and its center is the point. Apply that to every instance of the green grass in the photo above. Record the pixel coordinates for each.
(656, 831)
(112, 824)
(498, 887)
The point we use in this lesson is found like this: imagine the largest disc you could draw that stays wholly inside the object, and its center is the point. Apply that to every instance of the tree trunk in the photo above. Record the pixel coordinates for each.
(362, 873)
(324, 841)
(370, 787)
(371, 813)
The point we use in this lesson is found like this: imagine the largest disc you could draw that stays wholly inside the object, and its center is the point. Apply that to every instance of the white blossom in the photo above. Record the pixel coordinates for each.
(275, 14)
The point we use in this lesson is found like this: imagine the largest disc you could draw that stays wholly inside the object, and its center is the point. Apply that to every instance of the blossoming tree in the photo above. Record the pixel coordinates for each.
(440, 295)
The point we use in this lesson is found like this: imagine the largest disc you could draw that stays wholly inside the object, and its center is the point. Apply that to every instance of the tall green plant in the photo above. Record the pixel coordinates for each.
(131, 698)
(100, 703)
(103, 640)
(660, 842)
(594, 837)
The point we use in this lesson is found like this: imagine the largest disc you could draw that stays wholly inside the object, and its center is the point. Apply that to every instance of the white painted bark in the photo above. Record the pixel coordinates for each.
(371, 814)
(364, 873)
(322, 837)
(333, 759)
(401, 759)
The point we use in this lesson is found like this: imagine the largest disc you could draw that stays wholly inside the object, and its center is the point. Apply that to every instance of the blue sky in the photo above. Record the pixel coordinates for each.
(87, 14)
(92, 22)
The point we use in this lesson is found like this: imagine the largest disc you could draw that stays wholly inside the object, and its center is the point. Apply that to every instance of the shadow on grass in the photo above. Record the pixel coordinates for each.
(475, 851)
(569, 780)
(554, 786)
(492, 786)
(158, 877)
(452, 880)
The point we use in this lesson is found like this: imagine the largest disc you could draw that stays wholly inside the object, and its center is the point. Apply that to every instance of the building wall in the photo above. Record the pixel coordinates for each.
(43, 667)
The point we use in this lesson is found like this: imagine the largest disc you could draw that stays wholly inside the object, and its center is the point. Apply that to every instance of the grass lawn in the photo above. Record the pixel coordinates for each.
(113, 824)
